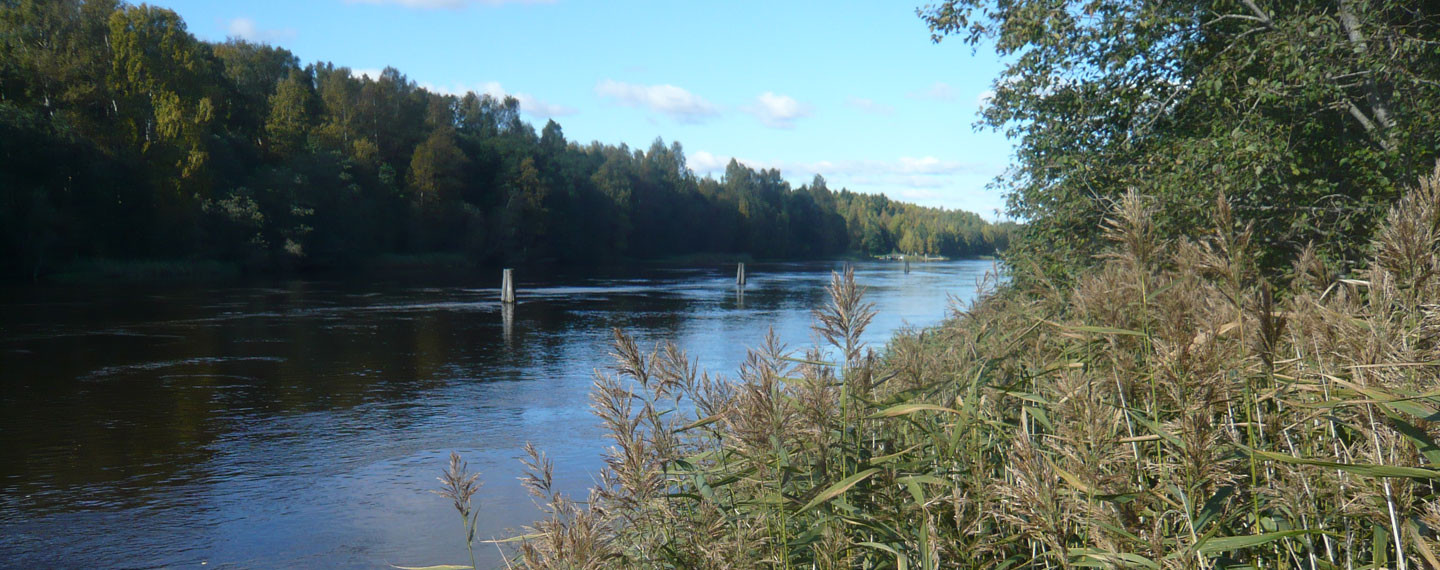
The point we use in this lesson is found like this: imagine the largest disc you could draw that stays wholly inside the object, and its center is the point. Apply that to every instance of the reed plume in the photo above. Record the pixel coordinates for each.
(459, 485)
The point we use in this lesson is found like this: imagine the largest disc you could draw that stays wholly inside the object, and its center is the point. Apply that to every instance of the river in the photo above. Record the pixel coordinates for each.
(303, 423)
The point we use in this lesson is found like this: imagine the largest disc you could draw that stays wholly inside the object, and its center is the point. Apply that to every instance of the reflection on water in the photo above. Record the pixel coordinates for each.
(302, 423)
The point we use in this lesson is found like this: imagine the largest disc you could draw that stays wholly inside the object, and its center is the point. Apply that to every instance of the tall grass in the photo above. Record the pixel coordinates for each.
(1173, 409)
(459, 485)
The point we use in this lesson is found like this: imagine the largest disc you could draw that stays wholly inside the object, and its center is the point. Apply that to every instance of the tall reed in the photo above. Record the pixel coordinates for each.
(459, 485)
(1172, 409)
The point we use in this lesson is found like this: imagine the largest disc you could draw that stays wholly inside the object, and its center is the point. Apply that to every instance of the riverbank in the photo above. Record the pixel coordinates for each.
(1173, 407)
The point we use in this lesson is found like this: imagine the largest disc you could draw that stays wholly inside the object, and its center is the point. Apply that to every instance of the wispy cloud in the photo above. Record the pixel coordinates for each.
(529, 104)
(931, 165)
(870, 106)
(246, 29)
(939, 91)
(984, 98)
(445, 4)
(372, 73)
(703, 162)
(777, 111)
(669, 100)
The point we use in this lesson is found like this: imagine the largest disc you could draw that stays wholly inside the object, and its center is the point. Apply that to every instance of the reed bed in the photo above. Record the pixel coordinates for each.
(1175, 408)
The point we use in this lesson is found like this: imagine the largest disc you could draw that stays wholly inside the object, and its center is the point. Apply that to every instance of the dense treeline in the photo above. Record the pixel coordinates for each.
(123, 136)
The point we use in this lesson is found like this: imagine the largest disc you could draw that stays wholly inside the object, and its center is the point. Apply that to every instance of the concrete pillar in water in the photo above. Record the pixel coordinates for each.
(507, 321)
(740, 275)
(507, 288)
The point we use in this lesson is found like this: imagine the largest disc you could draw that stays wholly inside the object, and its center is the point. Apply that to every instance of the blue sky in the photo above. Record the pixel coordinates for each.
(853, 90)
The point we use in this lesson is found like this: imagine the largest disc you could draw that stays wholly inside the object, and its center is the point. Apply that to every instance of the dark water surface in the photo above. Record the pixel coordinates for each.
(302, 424)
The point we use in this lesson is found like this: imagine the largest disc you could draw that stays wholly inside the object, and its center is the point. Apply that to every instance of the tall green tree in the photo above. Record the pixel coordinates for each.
(437, 169)
(252, 73)
(1308, 115)
(164, 82)
(54, 54)
(165, 78)
(292, 114)
(339, 118)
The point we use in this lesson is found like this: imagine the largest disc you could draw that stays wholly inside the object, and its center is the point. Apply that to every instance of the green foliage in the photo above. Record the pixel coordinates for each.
(1309, 115)
(437, 169)
(128, 137)
(252, 75)
(292, 109)
(51, 53)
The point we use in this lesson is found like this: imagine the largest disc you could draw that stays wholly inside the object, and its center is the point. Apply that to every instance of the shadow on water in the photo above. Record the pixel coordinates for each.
(302, 423)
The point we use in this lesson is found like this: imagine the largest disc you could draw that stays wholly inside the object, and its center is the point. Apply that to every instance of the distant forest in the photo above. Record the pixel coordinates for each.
(122, 136)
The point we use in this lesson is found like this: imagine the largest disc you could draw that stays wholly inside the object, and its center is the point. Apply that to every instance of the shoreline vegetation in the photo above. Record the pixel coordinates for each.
(125, 139)
(1173, 408)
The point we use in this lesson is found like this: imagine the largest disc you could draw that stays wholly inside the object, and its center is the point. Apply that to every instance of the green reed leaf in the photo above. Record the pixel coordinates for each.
(1365, 469)
(839, 487)
(1224, 544)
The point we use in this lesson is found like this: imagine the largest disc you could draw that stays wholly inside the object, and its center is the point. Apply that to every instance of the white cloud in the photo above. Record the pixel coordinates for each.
(529, 104)
(870, 106)
(537, 108)
(243, 28)
(778, 111)
(930, 165)
(372, 73)
(675, 102)
(909, 170)
(491, 88)
(445, 4)
(939, 91)
(984, 98)
(246, 29)
(703, 162)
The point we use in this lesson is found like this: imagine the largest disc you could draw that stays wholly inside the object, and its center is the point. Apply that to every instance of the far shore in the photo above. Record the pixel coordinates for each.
(134, 271)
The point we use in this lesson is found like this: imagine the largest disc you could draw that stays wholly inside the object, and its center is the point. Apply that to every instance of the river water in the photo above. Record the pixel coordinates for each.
(303, 423)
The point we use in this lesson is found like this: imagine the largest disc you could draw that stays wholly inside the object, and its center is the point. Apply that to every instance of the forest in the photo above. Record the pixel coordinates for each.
(124, 137)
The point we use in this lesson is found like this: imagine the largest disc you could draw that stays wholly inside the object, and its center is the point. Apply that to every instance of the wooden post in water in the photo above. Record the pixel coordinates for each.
(907, 264)
(507, 288)
(740, 275)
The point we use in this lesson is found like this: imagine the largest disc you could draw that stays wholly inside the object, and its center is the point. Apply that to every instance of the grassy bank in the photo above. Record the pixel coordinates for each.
(1172, 409)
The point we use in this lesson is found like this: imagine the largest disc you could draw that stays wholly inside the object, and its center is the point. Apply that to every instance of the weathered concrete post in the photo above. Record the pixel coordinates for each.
(507, 288)
(507, 320)
(740, 275)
